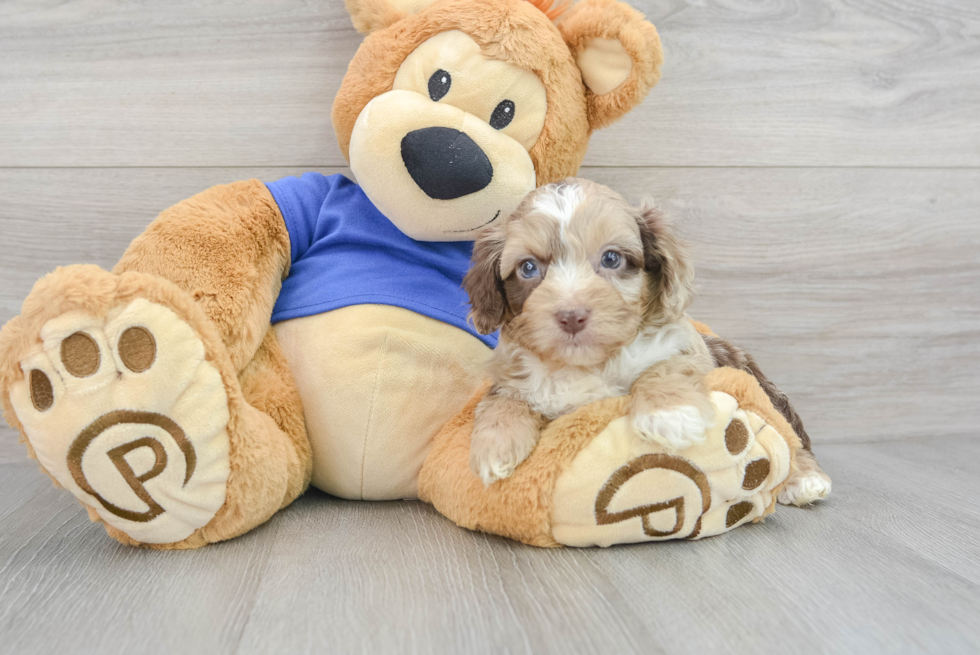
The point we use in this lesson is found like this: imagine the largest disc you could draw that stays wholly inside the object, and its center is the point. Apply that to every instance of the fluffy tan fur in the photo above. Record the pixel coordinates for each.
(267, 385)
(553, 9)
(227, 247)
(520, 506)
(517, 32)
(609, 19)
(270, 454)
(372, 15)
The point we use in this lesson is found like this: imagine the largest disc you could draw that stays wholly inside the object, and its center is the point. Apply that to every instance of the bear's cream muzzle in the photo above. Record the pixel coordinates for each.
(435, 171)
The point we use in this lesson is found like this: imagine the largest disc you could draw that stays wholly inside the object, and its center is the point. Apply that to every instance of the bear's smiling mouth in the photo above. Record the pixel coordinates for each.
(495, 216)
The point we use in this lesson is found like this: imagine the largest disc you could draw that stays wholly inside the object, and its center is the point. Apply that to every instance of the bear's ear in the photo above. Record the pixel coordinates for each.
(619, 55)
(372, 15)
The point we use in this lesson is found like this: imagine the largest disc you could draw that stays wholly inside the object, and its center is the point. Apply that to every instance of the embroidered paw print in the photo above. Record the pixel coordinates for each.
(624, 488)
(125, 412)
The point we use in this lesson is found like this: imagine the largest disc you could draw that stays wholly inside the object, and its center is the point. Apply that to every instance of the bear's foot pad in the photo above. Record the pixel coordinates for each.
(125, 411)
(622, 488)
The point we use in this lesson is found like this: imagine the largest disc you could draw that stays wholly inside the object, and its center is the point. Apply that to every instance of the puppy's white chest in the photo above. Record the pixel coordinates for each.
(565, 391)
(553, 393)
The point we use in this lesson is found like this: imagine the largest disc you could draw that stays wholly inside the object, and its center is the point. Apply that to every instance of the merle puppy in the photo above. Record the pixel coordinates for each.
(590, 295)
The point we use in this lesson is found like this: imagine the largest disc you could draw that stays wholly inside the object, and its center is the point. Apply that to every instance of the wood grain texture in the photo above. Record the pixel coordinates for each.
(11, 450)
(888, 564)
(66, 588)
(780, 82)
(879, 568)
(857, 290)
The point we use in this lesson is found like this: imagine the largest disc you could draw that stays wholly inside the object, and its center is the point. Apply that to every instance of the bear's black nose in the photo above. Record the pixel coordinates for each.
(445, 163)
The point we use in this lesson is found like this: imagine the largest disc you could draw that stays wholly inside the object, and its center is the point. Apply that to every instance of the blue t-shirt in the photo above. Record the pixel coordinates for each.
(345, 252)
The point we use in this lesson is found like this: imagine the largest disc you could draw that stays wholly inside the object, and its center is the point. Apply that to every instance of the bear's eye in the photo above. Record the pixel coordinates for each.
(439, 85)
(611, 259)
(502, 115)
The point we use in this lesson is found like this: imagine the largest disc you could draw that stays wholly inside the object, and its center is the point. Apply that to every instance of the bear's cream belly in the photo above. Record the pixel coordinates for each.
(377, 383)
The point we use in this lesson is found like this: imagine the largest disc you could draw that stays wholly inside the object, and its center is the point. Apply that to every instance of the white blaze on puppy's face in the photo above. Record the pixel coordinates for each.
(559, 201)
(573, 273)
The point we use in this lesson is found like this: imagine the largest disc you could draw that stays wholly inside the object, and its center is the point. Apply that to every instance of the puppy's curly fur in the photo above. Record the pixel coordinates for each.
(590, 295)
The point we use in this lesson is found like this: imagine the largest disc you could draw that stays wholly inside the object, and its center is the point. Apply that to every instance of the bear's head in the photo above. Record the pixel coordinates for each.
(453, 110)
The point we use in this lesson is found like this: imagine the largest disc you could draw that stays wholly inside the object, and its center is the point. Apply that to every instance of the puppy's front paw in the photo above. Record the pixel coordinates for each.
(676, 428)
(805, 487)
(496, 452)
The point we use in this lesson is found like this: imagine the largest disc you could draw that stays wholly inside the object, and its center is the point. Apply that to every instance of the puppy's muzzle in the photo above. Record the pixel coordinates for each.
(446, 163)
(573, 321)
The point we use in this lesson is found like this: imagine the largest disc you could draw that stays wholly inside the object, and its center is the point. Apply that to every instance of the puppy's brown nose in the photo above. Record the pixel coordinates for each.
(573, 320)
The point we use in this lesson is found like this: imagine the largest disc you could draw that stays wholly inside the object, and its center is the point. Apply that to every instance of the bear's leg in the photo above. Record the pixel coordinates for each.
(157, 394)
(227, 247)
(594, 480)
(126, 395)
(267, 384)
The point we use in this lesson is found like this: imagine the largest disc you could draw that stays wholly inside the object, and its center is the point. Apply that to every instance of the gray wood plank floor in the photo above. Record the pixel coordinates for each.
(822, 156)
(888, 564)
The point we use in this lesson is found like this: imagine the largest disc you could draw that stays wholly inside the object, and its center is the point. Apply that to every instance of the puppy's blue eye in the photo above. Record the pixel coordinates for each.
(529, 269)
(439, 84)
(611, 259)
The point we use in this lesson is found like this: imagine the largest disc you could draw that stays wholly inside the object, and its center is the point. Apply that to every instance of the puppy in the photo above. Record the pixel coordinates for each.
(590, 295)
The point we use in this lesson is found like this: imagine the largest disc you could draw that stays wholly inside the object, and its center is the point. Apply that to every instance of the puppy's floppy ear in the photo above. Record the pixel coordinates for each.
(618, 52)
(483, 282)
(372, 15)
(666, 262)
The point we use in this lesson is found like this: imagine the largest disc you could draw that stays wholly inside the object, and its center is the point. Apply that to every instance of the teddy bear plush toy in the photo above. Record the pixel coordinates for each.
(258, 338)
